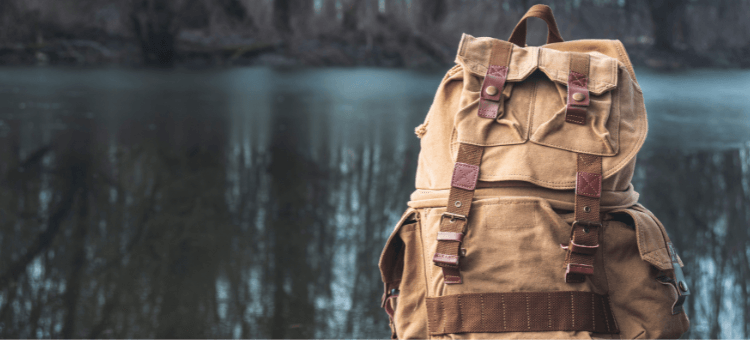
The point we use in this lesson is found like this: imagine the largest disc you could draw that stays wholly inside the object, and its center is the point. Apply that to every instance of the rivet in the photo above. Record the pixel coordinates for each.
(457, 204)
(587, 209)
(578, 96)
(585, 230)
(683, 286)
(491, 90)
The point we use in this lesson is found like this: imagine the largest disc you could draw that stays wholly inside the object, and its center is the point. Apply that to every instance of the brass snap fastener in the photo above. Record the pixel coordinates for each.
(491, 90)
(683, 286)
(587, 209)
(578, 97)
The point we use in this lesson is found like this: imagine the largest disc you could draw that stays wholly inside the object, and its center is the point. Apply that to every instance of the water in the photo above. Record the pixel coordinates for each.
(254, 202)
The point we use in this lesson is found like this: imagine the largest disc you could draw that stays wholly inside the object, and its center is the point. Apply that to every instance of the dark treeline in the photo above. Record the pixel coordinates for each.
(402, 33)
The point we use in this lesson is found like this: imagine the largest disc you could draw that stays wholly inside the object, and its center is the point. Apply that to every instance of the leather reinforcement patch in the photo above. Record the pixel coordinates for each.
(492, 91)
(465, 176)
(588, 184)
(495, 76)
(578, 83)
(578, 98)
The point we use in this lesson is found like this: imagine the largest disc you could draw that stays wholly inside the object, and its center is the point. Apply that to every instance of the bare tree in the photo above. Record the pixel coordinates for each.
(431, 12)
(667, 17)
(155, 25)
(281, 16)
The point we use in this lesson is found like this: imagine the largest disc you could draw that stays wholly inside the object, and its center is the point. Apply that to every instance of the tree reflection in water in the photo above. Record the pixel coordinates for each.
(255, 203)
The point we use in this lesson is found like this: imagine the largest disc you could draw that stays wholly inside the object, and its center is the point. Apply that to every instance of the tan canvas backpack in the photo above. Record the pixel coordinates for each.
(524, 223)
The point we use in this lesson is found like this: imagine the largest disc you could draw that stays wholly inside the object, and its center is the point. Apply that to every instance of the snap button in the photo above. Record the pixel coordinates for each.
(578, 96)
(491, 90)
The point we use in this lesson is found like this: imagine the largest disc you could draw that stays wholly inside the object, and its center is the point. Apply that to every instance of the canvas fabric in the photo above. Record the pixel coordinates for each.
(513, 244)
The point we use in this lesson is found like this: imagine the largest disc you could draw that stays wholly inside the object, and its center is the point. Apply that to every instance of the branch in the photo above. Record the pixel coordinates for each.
(42, 241)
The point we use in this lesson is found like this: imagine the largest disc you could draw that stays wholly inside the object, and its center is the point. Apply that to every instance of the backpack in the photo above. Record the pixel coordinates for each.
(524, 223)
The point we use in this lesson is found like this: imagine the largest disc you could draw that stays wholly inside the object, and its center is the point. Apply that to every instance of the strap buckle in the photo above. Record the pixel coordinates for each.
(454, 217)
(587, 224)
(388, 294)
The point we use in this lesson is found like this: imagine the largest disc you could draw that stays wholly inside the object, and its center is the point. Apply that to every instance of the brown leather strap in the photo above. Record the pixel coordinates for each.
(588, 188)
(520, 312)
(578, 91)
(584, 234)
(453, 222)
(543, 12)
(491, 95)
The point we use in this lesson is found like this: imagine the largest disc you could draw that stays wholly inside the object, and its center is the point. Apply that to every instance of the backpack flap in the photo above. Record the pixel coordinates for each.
(652, 244)
(530, 131)
(597, 133)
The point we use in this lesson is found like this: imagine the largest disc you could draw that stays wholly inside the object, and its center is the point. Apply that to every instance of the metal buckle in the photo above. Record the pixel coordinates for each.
(586, 225)
(454, 217)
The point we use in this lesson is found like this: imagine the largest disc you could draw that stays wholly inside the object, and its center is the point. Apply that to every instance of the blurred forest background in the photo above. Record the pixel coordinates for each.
(189, 199)
(410, 33)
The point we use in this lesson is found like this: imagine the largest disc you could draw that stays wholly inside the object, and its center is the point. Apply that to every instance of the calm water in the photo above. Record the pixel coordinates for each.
(254, 202)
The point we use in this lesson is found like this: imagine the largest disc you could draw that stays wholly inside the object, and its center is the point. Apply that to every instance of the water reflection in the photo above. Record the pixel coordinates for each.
(255, 202)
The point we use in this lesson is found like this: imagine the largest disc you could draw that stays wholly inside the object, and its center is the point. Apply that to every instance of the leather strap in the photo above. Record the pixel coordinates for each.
(520, 312)
(453, 222)
(491, 95)
(578, 91)
(543, 12)
(584, 234)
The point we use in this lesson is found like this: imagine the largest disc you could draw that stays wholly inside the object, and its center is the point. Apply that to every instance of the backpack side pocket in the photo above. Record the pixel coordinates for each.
(402, 271)
(643, 273)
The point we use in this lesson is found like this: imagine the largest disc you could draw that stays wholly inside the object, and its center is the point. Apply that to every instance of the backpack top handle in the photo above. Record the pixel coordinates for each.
(543, 12)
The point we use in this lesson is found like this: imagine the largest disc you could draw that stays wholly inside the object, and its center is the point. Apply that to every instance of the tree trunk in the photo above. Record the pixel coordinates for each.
(431, 12)
(350, 20)
(302, 12)
(281, 15)
(155, 26)
(665, 17)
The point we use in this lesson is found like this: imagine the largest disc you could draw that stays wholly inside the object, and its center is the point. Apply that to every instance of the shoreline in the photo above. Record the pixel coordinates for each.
(325, 52)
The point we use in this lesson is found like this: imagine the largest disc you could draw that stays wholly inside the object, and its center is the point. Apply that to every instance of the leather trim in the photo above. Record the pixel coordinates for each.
(465, 176)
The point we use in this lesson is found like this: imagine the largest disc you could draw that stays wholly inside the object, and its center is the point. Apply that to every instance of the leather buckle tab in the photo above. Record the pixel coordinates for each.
(445, 259)
(450, 236)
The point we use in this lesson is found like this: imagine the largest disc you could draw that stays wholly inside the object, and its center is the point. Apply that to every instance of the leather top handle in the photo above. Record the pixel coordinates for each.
(543, 12)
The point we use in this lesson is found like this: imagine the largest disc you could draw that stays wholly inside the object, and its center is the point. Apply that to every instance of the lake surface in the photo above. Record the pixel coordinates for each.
(254, 202)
